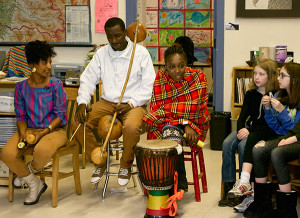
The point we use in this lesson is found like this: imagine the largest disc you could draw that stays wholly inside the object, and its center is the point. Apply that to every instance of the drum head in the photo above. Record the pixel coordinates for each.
(157, 144)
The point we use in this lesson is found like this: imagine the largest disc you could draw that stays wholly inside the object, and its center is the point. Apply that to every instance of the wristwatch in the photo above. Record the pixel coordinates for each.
(50, 128)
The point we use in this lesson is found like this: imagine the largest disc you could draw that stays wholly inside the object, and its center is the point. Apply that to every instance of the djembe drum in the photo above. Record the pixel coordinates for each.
(156, 161)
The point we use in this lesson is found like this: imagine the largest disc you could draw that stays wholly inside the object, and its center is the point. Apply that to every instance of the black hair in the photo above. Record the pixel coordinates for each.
(38, 50)
(174, 49)
(114, 21)
(188, 47)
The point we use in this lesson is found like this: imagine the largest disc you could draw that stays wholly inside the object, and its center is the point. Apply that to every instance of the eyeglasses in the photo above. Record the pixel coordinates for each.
(281, 75)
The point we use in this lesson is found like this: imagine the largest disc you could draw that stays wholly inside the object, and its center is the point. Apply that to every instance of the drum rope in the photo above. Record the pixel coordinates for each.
(172, 205)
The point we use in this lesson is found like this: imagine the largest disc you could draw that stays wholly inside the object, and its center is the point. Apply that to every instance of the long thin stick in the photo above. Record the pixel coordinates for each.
(103, 148)
(75, 132)
(84, 126)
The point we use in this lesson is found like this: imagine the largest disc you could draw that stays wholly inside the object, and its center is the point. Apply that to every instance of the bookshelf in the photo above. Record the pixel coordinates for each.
(239, 87)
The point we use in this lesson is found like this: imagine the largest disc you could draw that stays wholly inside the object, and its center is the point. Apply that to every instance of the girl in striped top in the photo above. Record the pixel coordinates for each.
(40, 106)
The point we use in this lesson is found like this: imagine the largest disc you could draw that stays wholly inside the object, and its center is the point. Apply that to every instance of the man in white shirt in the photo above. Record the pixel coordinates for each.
(110, 64)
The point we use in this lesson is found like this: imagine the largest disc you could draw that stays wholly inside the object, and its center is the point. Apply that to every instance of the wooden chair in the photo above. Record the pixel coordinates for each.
(271, 177)
(71, 148)
(294, 169)
(223, 185)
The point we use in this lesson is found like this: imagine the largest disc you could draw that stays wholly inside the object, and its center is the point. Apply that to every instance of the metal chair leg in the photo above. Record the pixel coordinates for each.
(107, 170)
(105, 186)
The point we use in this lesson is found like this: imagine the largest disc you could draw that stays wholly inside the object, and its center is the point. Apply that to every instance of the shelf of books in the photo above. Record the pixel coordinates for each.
(242, 79)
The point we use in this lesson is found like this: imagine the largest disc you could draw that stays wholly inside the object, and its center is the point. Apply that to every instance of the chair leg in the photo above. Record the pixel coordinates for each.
(202, 170)
(222, 189)
(76, 169)
(107, 170)
(42, 175)
(195, 176)
(55, 178)
(117, 152)
(10, 186)
(83, 159)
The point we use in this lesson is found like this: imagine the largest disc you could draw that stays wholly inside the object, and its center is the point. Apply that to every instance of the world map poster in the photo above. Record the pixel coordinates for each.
(57, 21)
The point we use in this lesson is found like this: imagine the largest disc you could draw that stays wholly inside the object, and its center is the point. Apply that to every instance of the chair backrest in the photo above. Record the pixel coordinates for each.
(72, 93)
(97, 94)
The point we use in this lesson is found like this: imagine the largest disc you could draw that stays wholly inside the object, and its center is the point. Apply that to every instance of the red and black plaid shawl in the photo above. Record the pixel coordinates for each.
(175, 102)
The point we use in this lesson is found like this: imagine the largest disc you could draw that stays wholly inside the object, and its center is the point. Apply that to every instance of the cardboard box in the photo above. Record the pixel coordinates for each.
(7, 104)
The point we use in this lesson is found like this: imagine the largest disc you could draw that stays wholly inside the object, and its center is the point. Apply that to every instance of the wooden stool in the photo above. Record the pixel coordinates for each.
(193, 157)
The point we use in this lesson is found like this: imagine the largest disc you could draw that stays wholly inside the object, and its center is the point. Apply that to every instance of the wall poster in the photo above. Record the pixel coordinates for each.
(168, 19)
(59, 22)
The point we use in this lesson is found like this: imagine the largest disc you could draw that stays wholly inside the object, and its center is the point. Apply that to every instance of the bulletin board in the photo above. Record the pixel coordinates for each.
(60, 22)
(168, 19)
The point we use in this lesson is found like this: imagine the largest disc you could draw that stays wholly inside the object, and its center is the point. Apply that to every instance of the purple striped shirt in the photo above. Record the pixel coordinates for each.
(39, 106)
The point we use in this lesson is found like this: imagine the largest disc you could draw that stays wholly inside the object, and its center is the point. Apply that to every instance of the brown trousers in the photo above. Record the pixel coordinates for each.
(43, 151)
(130, 129)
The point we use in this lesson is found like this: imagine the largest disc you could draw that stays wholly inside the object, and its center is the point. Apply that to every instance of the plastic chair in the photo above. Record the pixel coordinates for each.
(192, 156)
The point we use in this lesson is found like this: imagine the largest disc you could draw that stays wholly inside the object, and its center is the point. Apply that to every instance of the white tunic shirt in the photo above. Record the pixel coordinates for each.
(111, 67)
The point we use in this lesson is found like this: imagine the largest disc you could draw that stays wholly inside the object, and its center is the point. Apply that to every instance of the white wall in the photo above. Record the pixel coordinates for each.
(254, 33)
(78, 54)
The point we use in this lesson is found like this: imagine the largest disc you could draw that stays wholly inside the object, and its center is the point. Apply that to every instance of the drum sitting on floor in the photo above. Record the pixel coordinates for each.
(156, 161)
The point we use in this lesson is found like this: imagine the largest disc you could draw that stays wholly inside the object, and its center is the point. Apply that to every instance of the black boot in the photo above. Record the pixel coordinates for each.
(262, 200)
(224, 201)
(287, 202)
(286, 206)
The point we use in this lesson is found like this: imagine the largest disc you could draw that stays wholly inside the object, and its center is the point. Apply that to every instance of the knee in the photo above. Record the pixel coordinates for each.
(7, 155)
(258, 152)
(276, 154)
(227, 145)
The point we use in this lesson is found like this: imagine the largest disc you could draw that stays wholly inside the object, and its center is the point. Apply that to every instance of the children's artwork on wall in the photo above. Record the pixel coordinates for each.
(167, 37)
(197, 4)
(171, 4)
(152, 37)
(153, 51)
(201, 38)
(168, 19)
(150, 4)
(196, 19)
(203, 55)
(171, 19)
(151, 19)
(161, 53)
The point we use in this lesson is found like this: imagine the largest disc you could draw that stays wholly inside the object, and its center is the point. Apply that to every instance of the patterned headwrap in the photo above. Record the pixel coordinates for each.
(174, 103)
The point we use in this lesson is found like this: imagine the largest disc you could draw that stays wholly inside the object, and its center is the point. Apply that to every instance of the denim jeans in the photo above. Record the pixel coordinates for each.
(230, 144)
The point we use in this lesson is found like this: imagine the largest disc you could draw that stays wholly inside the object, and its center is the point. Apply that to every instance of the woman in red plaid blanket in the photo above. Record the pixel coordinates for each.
(178, 105)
